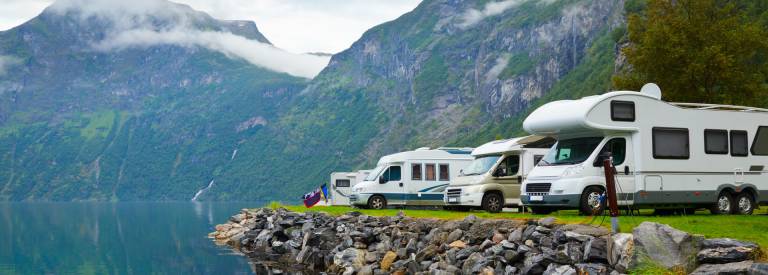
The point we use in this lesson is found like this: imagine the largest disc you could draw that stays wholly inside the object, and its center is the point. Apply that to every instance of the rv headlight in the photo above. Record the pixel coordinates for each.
(573, 170)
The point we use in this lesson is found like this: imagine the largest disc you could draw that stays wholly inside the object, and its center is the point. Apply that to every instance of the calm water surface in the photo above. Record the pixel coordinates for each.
(116, 238)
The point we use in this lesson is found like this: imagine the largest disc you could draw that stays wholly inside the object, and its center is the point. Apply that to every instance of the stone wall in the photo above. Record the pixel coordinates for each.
(280, 240)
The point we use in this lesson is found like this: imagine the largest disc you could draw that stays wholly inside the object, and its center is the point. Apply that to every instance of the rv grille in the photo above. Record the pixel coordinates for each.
(453, 193)
(537, 187)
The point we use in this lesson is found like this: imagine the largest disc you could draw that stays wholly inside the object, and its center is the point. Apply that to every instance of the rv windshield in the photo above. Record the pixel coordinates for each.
(571, 151)
(480, 165)
(375, 173)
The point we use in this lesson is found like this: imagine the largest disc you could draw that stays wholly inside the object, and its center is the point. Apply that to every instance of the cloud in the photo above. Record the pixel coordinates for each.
(146, 23)
(6, 62)
(474, 16)
(233, 46)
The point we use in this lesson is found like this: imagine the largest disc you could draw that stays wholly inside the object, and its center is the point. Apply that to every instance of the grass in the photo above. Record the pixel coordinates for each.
(749, 228)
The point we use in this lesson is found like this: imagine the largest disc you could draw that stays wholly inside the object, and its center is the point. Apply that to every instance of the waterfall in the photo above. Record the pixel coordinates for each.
(234, 153)
(201, 191)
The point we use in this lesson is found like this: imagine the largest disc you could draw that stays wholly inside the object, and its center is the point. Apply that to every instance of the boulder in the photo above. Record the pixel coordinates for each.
(517, 235)
(729, 268)
(722, 255)
(548, 221)
(554, 269)
(594, 231)
(620, 251)
(664, 245)
(455, 235)
(350, 257)
(596, 250)
(387, 260)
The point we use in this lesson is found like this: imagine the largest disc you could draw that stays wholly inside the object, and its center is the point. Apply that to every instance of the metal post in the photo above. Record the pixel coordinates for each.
(610, 185)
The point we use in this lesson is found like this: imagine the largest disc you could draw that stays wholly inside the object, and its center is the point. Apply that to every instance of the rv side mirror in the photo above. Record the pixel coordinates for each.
(382, 180)
(461, 172)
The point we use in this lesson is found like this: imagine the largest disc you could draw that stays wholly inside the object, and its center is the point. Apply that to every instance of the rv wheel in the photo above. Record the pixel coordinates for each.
(493, 202)
(590, 204)
(377, 202)
(745, 204)
(724, 204)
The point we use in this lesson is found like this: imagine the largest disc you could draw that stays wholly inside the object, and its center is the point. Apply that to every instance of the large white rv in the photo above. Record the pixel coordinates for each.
(341, 185)
(667, 155)
(492, 181)
(415, 177)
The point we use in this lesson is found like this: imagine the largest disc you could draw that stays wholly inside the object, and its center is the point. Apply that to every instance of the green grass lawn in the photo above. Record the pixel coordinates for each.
(750, 228)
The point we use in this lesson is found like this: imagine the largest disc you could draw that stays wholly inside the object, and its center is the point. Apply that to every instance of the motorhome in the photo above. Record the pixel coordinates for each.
(342, 183)
(667, 155)
(492, 181)
(416, 177)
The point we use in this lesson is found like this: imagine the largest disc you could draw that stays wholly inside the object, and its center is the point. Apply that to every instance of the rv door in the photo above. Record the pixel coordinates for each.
(622, 159)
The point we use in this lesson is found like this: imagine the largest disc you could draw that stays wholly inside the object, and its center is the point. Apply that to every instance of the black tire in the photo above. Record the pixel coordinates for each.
(493, 202)
(745, 204)
(589, 204)
(724, 205)
(377, 202)
(541, 210)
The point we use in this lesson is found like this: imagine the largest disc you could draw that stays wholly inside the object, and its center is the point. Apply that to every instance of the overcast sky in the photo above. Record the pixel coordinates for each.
(294, 25)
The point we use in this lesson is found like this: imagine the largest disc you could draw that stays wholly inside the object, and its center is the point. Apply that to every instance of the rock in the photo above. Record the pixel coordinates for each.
(223, 227)
(510, 270)
(371, 258)
(497, 237)
(592, 269)
(664, 245)
(594, 231)
(387, 260)
(534, 264)
(620, 251)
(365, 270)
(516, 236)
(528, 231)
(508, 245)
(350, 257)
(426, 253)
(548, 221)
(529, 243)
(486, 244)
(455, 235)
(237, 218)
(596, 251)
(554, 269)
(729, 268)
(470, 262)
(571, 235)
(457, 244)
(722, 255)
(726, 242)
(464, 253)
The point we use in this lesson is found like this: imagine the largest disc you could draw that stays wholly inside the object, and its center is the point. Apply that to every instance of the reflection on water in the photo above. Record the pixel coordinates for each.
(116, 238)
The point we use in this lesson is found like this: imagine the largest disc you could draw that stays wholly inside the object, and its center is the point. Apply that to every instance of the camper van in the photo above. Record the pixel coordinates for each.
(415, 177)
(492, 181)
(666, 155)
(342, 183)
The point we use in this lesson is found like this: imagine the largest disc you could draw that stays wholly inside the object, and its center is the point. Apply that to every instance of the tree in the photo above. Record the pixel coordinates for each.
(709, 51)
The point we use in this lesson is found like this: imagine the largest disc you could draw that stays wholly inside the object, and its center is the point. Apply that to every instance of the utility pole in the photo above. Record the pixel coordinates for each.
(610, 185)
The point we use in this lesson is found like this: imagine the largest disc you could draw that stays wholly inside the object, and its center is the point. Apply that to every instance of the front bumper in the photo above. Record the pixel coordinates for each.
(459, 196)
(359, 199)
(558, 201)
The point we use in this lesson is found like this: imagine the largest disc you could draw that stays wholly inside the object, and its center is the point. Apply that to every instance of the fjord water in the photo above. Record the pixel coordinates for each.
(116, 238)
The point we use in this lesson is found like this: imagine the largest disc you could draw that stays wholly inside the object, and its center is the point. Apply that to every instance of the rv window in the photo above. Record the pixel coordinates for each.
(416, 171)
(715, 141)
(480, 165)
(392, 174)
(429, 171)
(571, 151)
(509, 166)
(622, 110)
(444, 172)
(760, 144)
(618, 149)
(342, 183)
(670, 143)
(739, 143)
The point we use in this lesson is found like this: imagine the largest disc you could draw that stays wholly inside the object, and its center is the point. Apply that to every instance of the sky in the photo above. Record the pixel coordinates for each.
(297, 26)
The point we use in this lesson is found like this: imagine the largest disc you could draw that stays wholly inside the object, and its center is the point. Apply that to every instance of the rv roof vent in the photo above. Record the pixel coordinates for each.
(651, 89)
(422, 149)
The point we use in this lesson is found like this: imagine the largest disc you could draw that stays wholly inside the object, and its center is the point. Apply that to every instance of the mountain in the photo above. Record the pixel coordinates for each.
(86, 114)
(457, 73)
(97, 108)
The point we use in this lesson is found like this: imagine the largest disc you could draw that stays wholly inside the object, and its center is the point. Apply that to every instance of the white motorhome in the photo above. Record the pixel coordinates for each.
(415, 177)
(341, 185)
(492, 181)
(667, 155)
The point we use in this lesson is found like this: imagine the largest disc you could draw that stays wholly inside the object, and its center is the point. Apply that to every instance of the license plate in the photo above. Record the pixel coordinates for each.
(453, 199)
(537, 198)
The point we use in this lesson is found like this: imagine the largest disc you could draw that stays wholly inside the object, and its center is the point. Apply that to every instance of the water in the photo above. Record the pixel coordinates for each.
(116, 238)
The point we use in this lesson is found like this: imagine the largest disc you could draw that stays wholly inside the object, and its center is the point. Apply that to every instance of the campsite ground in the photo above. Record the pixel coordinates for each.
(749, 228)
